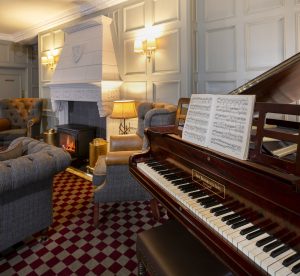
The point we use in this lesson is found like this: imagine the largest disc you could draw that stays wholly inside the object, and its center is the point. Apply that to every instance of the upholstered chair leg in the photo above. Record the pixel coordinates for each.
(141, 269)
(43, 235)
(154, 208)
(96, 214)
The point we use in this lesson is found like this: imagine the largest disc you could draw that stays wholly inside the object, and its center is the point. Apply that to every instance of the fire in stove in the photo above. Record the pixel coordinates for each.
(67, 142)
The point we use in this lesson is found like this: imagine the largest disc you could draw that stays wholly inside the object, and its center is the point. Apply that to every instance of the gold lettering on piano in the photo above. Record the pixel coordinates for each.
(209, 184)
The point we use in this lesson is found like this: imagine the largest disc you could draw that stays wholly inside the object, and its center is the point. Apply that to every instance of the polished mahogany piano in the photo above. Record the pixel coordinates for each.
(245, 212)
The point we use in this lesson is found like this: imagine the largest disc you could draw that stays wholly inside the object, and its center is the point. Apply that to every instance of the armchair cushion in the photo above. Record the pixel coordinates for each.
(127, 142)
(120, 157)
(12, 152)
(4, 124)
(24, 117)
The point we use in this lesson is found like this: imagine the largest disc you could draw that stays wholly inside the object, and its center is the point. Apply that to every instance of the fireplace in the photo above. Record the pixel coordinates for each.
(75, 139)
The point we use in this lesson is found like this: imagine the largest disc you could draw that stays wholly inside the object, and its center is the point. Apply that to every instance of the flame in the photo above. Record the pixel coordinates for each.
(69, 144)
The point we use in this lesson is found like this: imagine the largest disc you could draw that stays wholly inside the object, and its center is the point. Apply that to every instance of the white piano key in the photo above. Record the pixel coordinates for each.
(278, 263)
(287, 270)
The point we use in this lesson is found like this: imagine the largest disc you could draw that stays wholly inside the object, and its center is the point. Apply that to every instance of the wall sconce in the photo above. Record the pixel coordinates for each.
(124, 110)
(146, 47)
(50, 59)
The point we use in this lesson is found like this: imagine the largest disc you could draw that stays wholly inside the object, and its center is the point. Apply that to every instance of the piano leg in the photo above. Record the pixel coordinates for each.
(154, 208)
(96, 214)
(141, 269)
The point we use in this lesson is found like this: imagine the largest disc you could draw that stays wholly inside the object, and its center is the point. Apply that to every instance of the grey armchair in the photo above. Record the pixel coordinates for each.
(111, 175)
(19, 117)
(26, 189)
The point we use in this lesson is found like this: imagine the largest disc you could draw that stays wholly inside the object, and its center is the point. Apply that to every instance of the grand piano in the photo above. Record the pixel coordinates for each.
(247, 213)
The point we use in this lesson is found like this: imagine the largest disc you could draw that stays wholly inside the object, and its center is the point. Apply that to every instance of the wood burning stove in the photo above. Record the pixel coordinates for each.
(75, 139)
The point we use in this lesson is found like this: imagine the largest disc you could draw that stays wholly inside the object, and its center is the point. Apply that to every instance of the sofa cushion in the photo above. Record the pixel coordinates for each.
(12, 152)
(4, 124)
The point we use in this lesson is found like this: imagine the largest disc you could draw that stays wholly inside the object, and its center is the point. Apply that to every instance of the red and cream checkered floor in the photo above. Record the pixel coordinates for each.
(75, 246)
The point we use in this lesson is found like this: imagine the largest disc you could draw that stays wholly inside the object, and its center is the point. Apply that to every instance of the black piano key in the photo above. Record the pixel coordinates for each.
(170, 172)
(173, 177)
(190, 189)
(216, 209)
(222, 212)
(264, 241)
(158, 167)
(183, 186)
(239, 224)
(290, 260)
(272, 245)
(153, 165)
(211, 204)
(255, 234)
(197, 194)
(296, 268)
(186, 186)
(205, 200)
(151, 161)
(228, 217)
(279, 251)
(180, 180)
(235, 220)
(249, 230)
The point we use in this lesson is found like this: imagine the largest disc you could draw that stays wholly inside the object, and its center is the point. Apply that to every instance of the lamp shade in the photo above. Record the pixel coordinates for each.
(124, 110)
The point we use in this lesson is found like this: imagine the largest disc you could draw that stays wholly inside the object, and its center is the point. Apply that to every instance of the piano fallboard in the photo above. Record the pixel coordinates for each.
(264, 190)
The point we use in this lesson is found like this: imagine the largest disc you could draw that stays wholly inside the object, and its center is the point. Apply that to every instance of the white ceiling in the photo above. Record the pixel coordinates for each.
(23, 19)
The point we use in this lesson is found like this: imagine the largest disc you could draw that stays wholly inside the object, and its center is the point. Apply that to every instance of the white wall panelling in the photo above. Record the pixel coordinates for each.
(169, 19)
(219, 87)
(4, 52)
(252, 6)
(133, 63)
(264, 43)
(215, 9)
(164, 91)
(134, 90)
(220, 50)
(143, 80)
(297, 31)
(134, 17)
(49, 40)
(165, 11)
(238, 40)
(167, 57)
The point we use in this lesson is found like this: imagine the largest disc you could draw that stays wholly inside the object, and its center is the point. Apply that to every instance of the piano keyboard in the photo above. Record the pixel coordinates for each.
(242, 227)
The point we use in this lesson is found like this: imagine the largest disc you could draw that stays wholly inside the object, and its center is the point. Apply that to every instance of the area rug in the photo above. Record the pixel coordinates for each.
(75, 246)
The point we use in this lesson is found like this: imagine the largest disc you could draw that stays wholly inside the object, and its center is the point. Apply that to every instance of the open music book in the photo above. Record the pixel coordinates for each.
(220, 122)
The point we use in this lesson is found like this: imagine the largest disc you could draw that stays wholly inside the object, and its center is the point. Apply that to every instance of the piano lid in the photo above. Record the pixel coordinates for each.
(280, 84)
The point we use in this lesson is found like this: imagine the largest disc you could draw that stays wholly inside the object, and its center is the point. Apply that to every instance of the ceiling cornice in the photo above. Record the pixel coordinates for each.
(67, 16)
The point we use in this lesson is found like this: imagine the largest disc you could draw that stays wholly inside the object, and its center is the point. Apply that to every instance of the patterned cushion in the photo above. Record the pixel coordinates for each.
(12, 152)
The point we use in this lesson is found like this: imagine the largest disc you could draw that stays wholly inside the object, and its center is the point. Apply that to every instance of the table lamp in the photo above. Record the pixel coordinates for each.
(123, 110)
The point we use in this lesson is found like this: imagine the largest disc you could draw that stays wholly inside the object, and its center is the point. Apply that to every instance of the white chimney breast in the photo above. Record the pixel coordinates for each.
(87, 61)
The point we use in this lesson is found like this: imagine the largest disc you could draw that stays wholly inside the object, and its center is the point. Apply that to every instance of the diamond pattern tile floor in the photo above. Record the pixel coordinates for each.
(75, 246)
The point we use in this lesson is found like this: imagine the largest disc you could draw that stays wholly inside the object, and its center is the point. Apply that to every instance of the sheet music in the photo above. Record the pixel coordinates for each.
(197, 120)
(220, 122)
(231, 125)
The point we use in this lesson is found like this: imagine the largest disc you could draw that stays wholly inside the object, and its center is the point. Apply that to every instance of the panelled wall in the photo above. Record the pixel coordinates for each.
(18, 70)
(236, 40)
(166, 77)
(47, 42)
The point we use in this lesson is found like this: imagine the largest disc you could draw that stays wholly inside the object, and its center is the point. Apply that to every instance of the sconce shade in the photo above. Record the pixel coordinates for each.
(124, 110)
(151, 44)
(50, 59)
(44, 60)
(146, 47)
